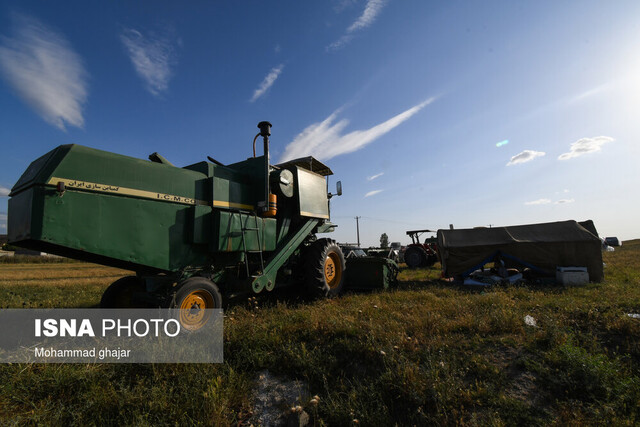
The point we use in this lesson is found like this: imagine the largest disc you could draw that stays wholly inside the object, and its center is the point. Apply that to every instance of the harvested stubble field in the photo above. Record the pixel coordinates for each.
(425, 353)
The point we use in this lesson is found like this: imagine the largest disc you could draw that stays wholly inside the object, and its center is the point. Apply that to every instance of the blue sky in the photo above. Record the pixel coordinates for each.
(430, 113)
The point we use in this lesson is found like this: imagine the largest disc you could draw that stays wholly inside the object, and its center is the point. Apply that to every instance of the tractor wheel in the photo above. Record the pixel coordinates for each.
(431, 259)
(121, 292)
(414, 257)
(324, 268)
(193, 298)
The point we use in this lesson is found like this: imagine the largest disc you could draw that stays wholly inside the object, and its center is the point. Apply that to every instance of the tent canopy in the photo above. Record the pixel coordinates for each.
(542, 247)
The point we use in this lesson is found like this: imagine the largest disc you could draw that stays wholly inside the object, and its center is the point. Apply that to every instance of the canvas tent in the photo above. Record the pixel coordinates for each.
(541, 247)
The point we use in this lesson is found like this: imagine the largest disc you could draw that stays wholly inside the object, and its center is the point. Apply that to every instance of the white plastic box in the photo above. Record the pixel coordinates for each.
(572, 276)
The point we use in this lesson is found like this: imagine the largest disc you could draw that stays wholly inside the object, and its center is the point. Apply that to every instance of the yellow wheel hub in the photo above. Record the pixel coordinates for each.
(332, 270)
(193, 314)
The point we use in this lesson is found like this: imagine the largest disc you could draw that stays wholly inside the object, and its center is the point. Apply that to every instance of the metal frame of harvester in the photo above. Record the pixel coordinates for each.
(191, 234)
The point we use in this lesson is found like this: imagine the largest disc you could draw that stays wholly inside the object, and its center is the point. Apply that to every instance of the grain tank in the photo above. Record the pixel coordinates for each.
(191, 233)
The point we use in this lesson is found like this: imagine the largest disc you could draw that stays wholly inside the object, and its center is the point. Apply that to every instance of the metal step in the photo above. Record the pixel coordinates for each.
(257, 230)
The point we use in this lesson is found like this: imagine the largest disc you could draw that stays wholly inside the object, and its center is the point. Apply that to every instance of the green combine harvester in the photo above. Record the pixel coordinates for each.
(189, 233)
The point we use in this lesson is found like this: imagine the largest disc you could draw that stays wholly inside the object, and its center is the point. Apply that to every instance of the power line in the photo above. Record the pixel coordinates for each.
(381, 220)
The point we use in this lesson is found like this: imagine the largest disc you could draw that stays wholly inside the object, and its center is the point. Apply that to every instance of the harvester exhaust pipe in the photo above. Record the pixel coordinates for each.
(265, 132)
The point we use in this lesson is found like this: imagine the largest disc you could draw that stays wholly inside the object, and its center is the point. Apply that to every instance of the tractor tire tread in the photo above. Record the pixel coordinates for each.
(314, 275)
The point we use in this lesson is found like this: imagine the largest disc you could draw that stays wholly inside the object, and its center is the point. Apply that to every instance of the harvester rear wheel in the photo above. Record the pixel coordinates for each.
(121, 292)
(414, 257)
(324, 268)
(193, 298)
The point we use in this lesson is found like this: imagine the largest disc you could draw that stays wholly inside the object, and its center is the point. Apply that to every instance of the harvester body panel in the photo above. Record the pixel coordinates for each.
(312, 194)
(154, 217)
(259, 234)
(108, 208)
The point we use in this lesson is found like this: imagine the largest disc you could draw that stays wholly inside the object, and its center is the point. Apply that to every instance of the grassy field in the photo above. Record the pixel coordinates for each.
(425, 353)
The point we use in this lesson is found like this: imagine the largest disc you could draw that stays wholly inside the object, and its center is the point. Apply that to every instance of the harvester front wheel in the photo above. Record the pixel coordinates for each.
(194, 297)
(324, 268)
(414, 257)
(120, 294)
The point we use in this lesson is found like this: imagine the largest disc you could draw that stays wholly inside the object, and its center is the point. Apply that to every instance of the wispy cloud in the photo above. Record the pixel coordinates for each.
(268, 81)
(539, 202)
(338, 44)
(152, 57)
(4, 191)
(525, 156)
(560, 104)
(371, 11)
(548, 201)
(373, 193)
(325, 140)
(378, 175)
(585, 146)
(588, 93)
(3, 220)
(45, 72)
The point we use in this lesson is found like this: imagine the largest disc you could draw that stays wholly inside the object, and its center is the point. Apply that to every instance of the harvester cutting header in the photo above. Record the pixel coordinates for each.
(187, 232)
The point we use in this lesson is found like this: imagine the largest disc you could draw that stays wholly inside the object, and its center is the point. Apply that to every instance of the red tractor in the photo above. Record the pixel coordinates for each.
(421, 254)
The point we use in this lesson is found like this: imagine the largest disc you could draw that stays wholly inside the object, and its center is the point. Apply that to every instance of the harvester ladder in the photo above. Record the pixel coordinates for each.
(244, 242)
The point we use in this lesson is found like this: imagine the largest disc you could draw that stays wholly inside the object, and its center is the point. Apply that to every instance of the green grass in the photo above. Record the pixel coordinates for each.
(424, 353)
(30, 259)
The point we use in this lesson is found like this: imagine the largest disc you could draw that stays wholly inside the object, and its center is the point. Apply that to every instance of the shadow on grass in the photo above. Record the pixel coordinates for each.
(292, 296)
(296, 296)
(539, 286)
(416, 285)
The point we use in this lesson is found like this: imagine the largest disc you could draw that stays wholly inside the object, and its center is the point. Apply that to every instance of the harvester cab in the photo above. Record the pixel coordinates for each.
(190, 234)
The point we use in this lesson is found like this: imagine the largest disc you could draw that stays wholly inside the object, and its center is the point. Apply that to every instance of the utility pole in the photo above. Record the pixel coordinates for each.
(358, 229)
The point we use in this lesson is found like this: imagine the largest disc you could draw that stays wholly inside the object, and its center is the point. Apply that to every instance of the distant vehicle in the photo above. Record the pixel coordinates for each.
(612, 241)
(421, 254)
(352, 251)
(390, 253)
